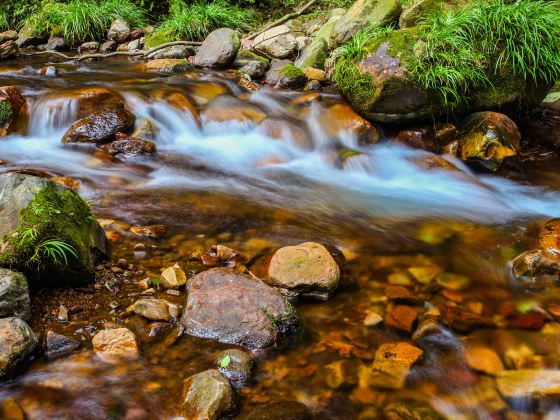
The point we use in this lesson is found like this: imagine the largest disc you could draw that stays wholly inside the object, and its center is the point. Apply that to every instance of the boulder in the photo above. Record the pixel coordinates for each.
(283, 74)
(379, 88)
(56, 44)
(254, 69)
(256, 317)
(8, 36)
(88, 100)
(119, 31)
(155, 309)
(218, 49)
(136, 45)
(316, 52)
(9, 47)
(29, 36)
(207, 395)
(14, 295)
(100, 126)
(340, 119)
(35, 210)
(115, 345)
(277, 42)
(168, 65)
(228, 108)
(236, 365)
(107, 47)
(58, 345)
(17, 343)
(417, 10)
(487, 138)
(89, 47)
(174, 52)
(245, 57)
(304, 270)
(127, 147)
(362, 14)
(12, 105)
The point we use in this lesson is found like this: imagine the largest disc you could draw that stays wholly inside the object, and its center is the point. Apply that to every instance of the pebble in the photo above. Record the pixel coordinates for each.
(483, 359)
(173, 277)
(402, 317)
(373, 319)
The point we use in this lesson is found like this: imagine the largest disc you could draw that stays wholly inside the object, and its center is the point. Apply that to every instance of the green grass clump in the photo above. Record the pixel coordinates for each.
(81, 20)
(4, 20)
(462, 50)
(195, 21)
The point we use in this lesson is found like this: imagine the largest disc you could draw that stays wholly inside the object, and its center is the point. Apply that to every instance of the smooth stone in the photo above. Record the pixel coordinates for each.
(236, 365)
(284, 75)
(58, 345)
(218, 49)
(119, 31)
(280, 410)
(529, 384)
(176, 51)
(115, 345)
(17, 343)
(168, 65)
(306, 269)
(254, 69)
(155, 309)
(392, 364)
(100, 127)
(277, 42)
(127, 147)
(14, 295)
(173, 277)
(483, 359)
(207, 395)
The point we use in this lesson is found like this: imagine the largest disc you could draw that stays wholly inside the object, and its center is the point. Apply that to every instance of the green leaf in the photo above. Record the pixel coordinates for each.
(155, 281)
(226, 360)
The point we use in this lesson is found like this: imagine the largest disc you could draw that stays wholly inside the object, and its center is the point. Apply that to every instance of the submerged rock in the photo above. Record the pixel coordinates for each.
(207, 395)
(127, 147)
(340, 119)
(256, 317)
(277, 42)
(14, 295)
(17, 342)
(155, 309)
(227, 108)
(173, 277)
(280, 410)
(410, 410)
(100, 126)
(168, 65)
(392, 364)
(306, 269)
(59, 345)
(218, 49)
(283, 74)
(236, 365)
(488, 138)
(116, 344)
(529, 384)
(34, 210)
(362, 14)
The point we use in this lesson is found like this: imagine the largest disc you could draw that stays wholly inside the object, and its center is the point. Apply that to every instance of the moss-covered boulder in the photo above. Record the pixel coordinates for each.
(47, 231)
(381, 83)
(316, 52)
(363, 14)
(12, 105)
(285, 75)
(487, 138)
(30, 36)
(417, 10)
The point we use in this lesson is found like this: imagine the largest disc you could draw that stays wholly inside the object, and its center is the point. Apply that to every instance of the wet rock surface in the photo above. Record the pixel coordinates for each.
(100, 126)
(168, 65)
(17, 343)
(207, 395)
(14, 295)
(127, 147)
(57, 345)
(115, 345)
(306, 269)
(234, 308)
(283, 74)
(236, 365)
(281, 410)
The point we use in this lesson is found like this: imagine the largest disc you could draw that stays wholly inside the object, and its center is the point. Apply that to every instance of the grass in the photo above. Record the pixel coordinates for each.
(80, 20)
(195, 21)
(55, 251)
(4, 20)
(462, 50)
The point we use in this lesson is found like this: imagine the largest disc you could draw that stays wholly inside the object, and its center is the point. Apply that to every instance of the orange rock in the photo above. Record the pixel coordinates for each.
(402, 317)
(483, 359)
(341, 117)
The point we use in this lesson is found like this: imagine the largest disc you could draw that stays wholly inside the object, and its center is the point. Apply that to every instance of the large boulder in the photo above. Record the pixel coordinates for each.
(487, 138)
(100, 126)
(277, 42)
(306, 269)
(381, 86)
(363, 14)
(12, 104)
(14, 295)
(218, 49)
(119, 31)
(234, 308)
(17, 342)
(207, 395)
(47, 231)
(417, 10)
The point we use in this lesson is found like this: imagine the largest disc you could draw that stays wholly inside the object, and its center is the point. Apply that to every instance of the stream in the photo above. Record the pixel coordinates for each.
(254, 190)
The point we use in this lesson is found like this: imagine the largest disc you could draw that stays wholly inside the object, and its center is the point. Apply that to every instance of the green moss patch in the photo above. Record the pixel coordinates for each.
(6, 113)
(291, 71)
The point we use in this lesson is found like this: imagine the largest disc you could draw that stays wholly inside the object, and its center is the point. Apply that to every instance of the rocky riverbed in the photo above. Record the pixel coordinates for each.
(259, 253)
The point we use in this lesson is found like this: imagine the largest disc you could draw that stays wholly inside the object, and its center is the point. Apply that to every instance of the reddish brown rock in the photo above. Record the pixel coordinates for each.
(234, 308)
(342, 118)
(528, 322)
(126, 147)
(464, 321)
(100, 126)
(402, 294)
(402, 317)
(12, 108)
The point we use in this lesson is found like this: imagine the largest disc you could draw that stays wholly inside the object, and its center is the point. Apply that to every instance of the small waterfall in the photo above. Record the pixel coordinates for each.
(52, 115)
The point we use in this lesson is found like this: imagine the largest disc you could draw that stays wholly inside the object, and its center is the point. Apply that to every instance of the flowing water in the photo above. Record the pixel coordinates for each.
(234, 183)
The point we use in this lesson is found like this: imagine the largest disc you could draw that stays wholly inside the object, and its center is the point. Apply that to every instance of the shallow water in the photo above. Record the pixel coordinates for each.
(230, 183)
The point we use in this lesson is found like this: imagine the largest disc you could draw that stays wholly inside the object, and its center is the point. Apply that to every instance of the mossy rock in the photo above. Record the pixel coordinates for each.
(6, 112)
(245, 57)
(417, 10)
(158, 38)
(34, 210)
(381, 86)
(284, 74)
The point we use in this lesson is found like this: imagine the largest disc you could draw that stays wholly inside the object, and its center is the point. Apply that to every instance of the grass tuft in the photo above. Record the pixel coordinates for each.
(195, 21)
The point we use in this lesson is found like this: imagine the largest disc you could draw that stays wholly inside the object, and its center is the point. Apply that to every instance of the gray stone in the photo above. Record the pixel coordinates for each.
(58, 345)
(8, 36)
(8, 49)
(254, 69)
(177, 51)
(108, 46)
(283, 74)
(119, 31)
(14, 295)
(234, 308)
(29, 37)
(17, 342)
(207, 395)
(236, 365)
(218, 49)
(91, 46)
(56, 44)
(277, 42)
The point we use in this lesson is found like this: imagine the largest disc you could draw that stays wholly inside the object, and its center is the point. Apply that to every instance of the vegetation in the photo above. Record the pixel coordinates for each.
(55, 251)
(80, 20)
(194, 21)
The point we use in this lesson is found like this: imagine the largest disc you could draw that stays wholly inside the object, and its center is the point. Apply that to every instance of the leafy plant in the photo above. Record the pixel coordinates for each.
(463, 49)
(195, 21)
(55, 250)
(4, 20)
(225, 361)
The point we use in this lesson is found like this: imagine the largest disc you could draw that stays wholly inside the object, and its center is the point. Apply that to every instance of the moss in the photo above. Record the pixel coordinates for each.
(159, 37)
(287, 323)
(291, 71)
(246, 56)
(356, 85)
(6, 112)
(53, 213)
